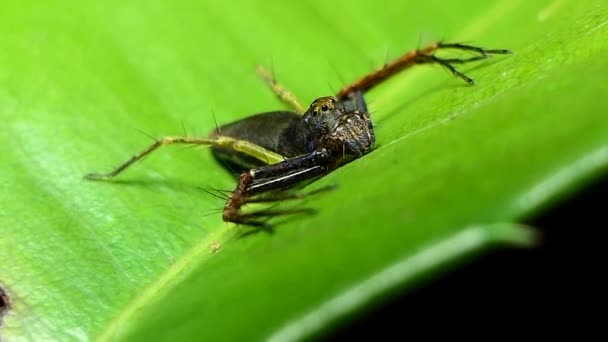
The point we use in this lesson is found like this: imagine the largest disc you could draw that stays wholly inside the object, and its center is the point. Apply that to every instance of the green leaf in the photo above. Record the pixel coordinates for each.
(456, 169)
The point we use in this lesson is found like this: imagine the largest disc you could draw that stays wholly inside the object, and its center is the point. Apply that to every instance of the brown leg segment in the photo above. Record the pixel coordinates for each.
(421, 56)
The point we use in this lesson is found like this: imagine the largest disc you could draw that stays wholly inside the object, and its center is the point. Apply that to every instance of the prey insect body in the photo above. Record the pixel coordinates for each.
(276, 151)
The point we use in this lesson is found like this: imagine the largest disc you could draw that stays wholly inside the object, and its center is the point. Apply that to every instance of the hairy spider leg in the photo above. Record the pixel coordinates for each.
(279, 90)
(278, 176)
(420, 56)
(243, 146)
(351, 101)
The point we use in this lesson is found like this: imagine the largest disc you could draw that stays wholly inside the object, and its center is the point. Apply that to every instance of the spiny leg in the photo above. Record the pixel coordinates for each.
(284, 95)
(238, 145)
(269, 197)
(255, 219)
(287, 195)
(420, 56)
(464, 47)
(254, 186)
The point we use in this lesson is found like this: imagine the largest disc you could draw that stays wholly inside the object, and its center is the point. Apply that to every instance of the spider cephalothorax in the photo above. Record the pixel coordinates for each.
(331, 124)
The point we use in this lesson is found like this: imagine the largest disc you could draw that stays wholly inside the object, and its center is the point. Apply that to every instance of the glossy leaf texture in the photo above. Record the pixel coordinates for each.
(456, 172)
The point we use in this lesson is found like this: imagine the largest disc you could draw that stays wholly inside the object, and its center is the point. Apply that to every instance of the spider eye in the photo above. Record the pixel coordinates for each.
(324, 108)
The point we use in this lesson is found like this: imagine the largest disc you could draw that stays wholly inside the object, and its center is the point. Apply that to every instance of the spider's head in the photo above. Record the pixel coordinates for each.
(341, 130)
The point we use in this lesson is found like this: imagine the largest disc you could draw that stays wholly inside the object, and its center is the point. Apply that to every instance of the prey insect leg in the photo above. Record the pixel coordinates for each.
(268, 178)
(420, 56)
(284, 95)
(238, 145)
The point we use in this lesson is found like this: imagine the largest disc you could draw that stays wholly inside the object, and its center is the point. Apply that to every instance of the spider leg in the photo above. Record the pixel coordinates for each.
(354, 101)
(286, 195)
(279, 90)
(420, 56)
(253, 184)
(225, 141)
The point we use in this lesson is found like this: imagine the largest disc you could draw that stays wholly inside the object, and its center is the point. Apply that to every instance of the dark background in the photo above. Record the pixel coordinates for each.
(554, 289)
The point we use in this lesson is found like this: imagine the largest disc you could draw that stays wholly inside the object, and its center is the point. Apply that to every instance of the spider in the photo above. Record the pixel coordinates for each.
(279, 150)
